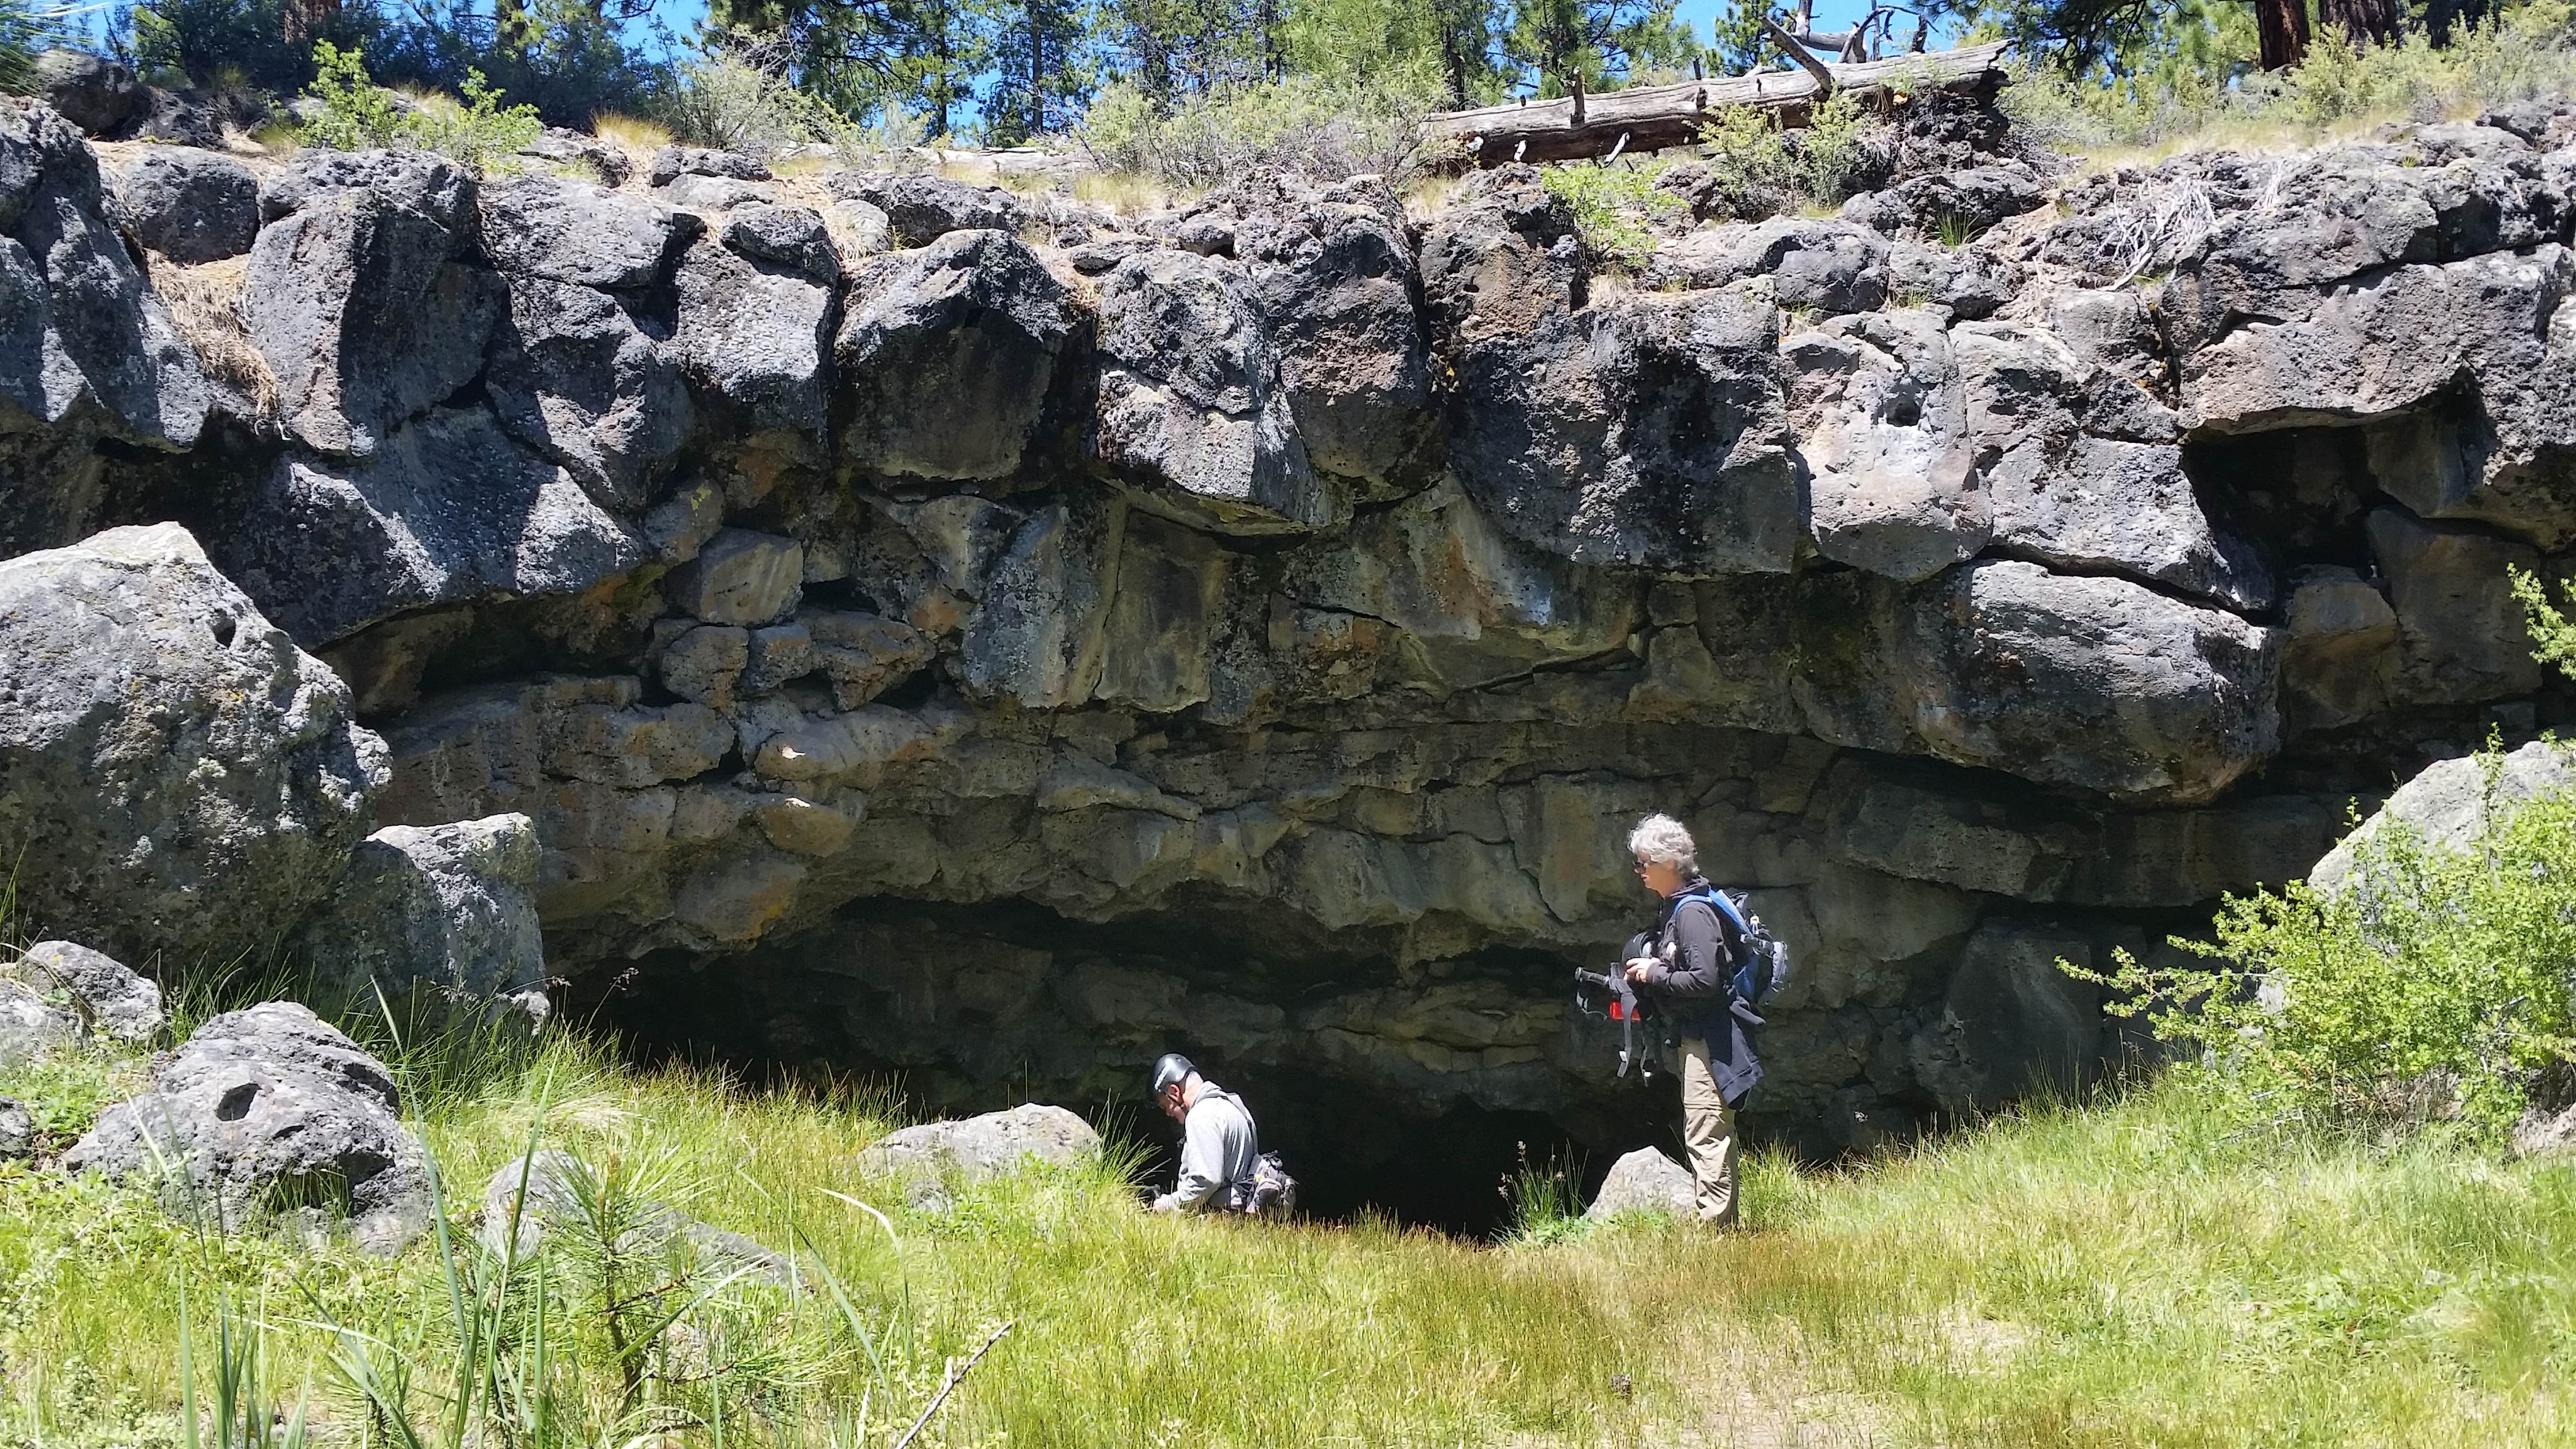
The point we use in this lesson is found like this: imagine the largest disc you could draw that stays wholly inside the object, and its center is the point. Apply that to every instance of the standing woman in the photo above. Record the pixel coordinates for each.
(1689, 974)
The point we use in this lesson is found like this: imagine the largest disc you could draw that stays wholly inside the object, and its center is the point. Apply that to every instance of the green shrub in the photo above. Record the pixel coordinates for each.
(1765, 168)
(357, 114)
(1320, 128)
(2204, 85)
(1611, 205)
(2436, 980)
(727, 103)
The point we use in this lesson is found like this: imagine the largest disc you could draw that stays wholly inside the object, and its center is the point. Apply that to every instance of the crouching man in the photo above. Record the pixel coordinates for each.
(1689, 972)
(1220, 1148)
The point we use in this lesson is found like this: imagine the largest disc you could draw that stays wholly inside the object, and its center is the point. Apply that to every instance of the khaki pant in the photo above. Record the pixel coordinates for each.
(1708, 1130)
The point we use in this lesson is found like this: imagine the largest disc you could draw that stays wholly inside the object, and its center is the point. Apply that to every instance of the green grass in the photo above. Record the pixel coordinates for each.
(2150, 1271)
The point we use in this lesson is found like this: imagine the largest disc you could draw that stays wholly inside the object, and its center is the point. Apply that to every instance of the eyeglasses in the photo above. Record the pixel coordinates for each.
(1644, 866)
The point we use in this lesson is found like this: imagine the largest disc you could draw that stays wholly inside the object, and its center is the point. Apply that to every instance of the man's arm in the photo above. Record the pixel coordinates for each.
(1202, 1165)
(1701, 962)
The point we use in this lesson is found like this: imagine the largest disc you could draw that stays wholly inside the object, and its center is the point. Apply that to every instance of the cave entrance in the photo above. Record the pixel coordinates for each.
(967, 1016)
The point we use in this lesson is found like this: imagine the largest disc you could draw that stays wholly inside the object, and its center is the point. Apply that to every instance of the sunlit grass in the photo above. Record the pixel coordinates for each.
(2152, 1271)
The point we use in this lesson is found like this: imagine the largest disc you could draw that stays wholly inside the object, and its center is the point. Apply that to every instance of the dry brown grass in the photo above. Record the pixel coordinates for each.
(203, 302)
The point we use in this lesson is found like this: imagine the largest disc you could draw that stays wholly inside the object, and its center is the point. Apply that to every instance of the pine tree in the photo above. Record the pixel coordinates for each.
(1602, 41)
(1041, 70)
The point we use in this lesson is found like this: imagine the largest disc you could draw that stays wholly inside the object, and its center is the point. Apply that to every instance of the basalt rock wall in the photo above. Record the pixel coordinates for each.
(986, 638)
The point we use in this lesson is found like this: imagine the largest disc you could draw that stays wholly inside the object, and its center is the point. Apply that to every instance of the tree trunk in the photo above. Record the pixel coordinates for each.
(2364, 22)
(2282, 28)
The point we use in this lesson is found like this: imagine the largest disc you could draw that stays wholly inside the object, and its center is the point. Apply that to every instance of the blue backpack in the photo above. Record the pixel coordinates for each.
(1762, 970)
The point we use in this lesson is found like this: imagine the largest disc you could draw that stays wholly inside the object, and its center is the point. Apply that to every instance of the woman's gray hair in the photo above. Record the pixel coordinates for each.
(1663, 839)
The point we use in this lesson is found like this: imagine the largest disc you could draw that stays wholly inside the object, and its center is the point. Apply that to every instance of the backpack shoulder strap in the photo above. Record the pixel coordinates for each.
(1716, 900)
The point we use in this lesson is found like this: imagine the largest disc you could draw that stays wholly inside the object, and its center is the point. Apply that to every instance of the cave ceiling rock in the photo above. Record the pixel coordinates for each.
(2085, 471)
(87, 349)
(584, 368)
(1638, 430)
(2460, 631)
(927, 562)
(177, 778)
(2003, 664)
(2010, 1022)
(611, 781)
(2339, 658)
(1481, 604)
(449, 510)
(948, 358)
(1191, 403)
(756, 304)
(1875, 402)
(1039, 633)
(364, 297)
(1332, 273)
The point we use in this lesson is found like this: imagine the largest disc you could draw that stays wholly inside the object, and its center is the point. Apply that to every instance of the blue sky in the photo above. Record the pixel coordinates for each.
(682, 16)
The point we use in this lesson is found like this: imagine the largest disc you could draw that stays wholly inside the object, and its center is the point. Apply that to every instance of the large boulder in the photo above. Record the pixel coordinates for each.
(112, 1001)
(452, 510)
(362, 294)
(1644, 430)
(1893, 486)
(189, 205)
(267, 1114)
(583, 370)
(993, 1145)
(2011, 1023)
(755, 314)
(87, 349)
(947, 357)
(92, 92)
(1644, 1182)
(2453, 803)
(2012, 667)
(176, 777)
(1191, 402)
(433, 917)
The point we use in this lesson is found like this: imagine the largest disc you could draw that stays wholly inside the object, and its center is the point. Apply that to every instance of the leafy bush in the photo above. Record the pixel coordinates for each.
(229, 42)
(2436, 980)
(727, 103)
(1611, 206)
(480, 133)
(1320, 128)
(2205, 85)
(1765, 168)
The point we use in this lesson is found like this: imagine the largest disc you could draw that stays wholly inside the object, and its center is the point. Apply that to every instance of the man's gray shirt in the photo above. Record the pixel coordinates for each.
(1218, 1149)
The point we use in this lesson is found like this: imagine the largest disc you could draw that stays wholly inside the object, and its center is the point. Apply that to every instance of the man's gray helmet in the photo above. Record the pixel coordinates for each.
(1170, 1070)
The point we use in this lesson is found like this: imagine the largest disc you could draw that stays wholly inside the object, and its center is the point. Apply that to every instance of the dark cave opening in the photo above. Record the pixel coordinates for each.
(952, 1040)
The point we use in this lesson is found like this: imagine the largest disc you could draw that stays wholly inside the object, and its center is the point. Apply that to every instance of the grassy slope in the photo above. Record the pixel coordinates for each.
(2128, 1275)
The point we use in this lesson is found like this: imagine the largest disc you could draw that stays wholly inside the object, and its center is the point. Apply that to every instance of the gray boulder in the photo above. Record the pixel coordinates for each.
(741, 577)
(270, 1114)
(948, 355)
(582, 371)
(1819, 266)
(673, 162)
(87, 349)
(757, 333)
(190, 206)
(32, 1024)
(1947, 203)
(2460, 631)
(112, 1001)
(2449, 803)
(1333, 277)
(2004, 666)
(921, 208)
(2011, 1023)
(793, 237)
(17, 1129)
(451, 510)
(572, 150)
(176, 777)
(1893, 486)
(361, 295)
(550, 1192)
(1645, 1182)
(995, 1144)
(92, 92)
(1191, 402)
(434, 916)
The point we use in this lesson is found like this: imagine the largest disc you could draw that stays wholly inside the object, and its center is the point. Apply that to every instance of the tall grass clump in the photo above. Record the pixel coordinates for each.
(1321, 128)
(2215, 96)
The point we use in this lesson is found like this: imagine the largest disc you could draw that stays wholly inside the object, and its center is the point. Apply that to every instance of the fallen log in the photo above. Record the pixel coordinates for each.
(1650, 118)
